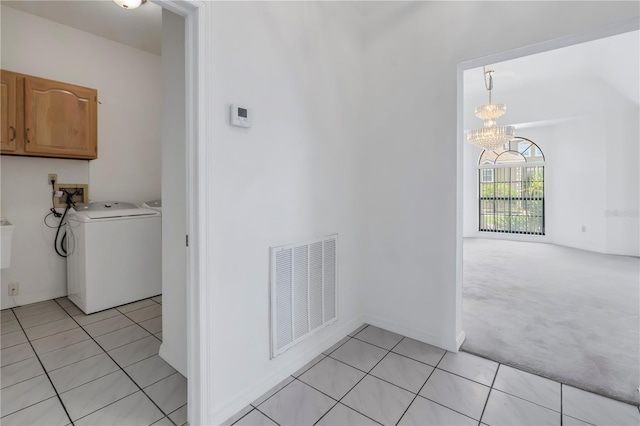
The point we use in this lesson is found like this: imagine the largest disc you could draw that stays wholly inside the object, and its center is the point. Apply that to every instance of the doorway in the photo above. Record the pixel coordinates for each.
(562, 303)
(194, 135)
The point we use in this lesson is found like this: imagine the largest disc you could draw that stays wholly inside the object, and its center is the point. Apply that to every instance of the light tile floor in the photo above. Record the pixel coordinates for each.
(60, 367)
(376, 377)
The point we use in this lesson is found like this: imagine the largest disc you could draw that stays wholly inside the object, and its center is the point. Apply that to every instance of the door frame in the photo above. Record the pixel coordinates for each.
(617, 28)
(197, 64)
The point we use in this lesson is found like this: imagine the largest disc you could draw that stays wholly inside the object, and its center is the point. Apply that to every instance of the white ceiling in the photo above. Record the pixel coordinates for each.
(614, 60)
(140, 28)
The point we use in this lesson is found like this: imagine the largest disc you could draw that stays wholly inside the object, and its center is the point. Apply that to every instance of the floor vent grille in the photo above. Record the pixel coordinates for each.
(303, 291)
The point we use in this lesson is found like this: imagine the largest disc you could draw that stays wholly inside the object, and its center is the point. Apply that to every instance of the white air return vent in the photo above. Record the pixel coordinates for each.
(303, 291)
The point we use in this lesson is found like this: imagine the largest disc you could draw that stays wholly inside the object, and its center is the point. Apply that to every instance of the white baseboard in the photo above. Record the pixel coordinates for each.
(420, 335)
(597, 249)
(546, 240)
(237, 402)
(460, 339)
(510, 237)
(173, 358)
(28, 298)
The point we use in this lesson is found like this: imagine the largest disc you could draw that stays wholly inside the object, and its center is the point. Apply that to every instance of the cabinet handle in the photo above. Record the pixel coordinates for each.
(27, 135)
(13, 133)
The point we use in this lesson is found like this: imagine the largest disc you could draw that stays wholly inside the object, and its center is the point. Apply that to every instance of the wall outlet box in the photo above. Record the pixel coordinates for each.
(52, 177)
(14, 289)
(81, 192)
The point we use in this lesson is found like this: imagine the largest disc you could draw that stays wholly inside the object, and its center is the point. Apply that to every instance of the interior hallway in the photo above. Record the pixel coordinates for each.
(563, 313)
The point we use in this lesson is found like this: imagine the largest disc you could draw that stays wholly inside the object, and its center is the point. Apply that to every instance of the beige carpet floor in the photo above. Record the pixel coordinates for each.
(566, 314)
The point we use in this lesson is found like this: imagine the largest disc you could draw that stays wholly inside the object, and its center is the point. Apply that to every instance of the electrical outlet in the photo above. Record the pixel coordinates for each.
(584, 228)
(52, 177)
(14, 289)
(81, 193)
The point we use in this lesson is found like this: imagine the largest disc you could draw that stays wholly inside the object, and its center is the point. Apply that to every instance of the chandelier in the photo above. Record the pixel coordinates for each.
(491, 136)
(129, 4)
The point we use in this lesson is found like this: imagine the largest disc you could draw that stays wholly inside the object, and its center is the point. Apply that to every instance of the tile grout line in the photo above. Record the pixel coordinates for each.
(561, 408)
(246, 414)
(491, 389)
(440, 404)
(421, 387)
(372, 368)
(422, 362)
(363, 377)
(117, 347)
(258, 410)
(25, 343)
(48, 377)
(130, 378)
(561, 403)
(466, 378)
(21, 381)
(89, 337)
(144, 320)
(180, 407)
(45, 323)
(523, 369)
(373, 344)
(526, 400)
(517, 396)
(27, 316)
(98, 378)
(291, 375)
(126, 396)
(54, 334)
(296, 378)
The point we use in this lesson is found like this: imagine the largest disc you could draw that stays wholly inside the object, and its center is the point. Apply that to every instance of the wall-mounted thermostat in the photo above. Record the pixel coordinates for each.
(240, 116)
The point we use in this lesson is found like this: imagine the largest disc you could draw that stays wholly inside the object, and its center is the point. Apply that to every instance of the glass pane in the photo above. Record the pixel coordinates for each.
(487, 175)
(509, 157)
(488, 157)
(525, 148)
(514, 201)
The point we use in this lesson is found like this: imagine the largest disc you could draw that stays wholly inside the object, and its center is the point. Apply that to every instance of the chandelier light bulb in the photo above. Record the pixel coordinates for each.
(494, 111)
(129, 4)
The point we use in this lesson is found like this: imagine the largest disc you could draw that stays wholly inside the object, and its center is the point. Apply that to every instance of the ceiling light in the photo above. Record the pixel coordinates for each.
(129, 4)
(491, 136)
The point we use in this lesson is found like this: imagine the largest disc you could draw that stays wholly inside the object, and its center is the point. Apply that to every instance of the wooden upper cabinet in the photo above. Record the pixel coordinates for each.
(60, 119)
(46, 118)
(9, 126)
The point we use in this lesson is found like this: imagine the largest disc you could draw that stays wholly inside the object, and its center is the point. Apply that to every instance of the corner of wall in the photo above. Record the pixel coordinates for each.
(252, 392)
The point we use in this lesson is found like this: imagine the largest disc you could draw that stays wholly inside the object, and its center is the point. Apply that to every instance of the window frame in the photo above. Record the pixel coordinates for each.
(524, 184)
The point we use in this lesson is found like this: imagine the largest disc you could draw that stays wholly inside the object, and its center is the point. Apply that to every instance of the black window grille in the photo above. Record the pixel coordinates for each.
(511, 195)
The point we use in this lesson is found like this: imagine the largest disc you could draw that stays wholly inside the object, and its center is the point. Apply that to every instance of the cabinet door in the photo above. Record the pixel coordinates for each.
(60, 119)
(8, 109)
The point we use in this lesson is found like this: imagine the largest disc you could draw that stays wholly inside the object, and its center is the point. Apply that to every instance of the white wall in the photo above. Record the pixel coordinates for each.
(412, 50)
(174, 197)
(577, 184)
(588, 133)
(129, 121)
(622, 132)
(311, 165)
(293, 176)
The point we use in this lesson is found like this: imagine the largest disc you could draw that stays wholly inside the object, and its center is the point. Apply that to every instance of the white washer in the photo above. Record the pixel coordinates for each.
(153, 205)
(114, 255)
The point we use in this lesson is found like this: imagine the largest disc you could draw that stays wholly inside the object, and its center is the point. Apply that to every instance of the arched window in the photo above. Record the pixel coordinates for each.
(511, 189)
